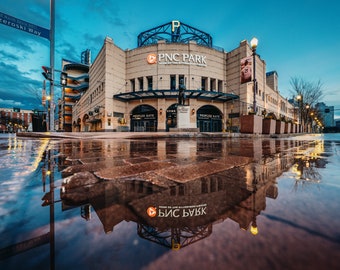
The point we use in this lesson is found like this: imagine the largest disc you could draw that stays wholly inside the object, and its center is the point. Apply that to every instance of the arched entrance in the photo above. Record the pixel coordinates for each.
(209, 119)
(171, 117)
(86, 125)
(143, 118)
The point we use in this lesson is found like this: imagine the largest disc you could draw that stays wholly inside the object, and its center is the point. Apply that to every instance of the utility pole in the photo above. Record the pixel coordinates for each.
(52, 36)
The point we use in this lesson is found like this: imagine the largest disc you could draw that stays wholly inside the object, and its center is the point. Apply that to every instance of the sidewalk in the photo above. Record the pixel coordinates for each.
(144, 135)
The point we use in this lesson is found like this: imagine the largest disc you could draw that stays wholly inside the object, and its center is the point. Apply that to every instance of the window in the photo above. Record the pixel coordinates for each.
(220, 86)
(149, 83)
(204, 83)
(133, 87)
(140, 82)
(109, 121)
(172, 82)
(212, 84)
(181, 78)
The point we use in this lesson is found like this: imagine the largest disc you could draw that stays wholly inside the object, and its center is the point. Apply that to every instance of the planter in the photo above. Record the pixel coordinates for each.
(280, 127)
(251, 124)
(268, 126)
(299, 128)
(293, 128)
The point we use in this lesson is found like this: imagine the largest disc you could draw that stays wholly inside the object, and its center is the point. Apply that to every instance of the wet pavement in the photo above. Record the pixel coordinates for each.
(156, 201)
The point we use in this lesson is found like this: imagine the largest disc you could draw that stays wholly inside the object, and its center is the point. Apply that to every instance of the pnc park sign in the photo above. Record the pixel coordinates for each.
(177, 59)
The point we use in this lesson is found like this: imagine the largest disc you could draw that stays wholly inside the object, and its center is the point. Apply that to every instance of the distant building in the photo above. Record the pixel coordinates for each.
(15, 119)
(337, 123)
(77, 84)
(326, 113)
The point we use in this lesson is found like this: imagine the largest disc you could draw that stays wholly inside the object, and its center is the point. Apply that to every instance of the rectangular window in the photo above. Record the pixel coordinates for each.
(204, 83)
(140, 82)
(212, 85)
(133, 87)
(220, 86)
(172, 82)
(109, 121)
(181, 78)
(149, 83)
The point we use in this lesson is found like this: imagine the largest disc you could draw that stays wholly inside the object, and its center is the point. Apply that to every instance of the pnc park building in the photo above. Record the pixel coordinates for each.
(138, 89)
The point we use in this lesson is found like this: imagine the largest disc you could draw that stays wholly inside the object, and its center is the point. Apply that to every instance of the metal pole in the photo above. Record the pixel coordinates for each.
(52, 34)
(254, 81)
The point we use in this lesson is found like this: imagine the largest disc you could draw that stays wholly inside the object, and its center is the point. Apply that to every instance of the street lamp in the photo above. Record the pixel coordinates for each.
(253, 44)
(299, 99)
(307, 118)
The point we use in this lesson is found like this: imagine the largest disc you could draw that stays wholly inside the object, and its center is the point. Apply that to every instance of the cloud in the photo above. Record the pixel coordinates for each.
(18, 88)
(108, 11)
(10, 103)
(9, 56)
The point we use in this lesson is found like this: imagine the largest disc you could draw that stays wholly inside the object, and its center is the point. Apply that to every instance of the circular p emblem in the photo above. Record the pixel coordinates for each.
(151, 211)
(151, 58)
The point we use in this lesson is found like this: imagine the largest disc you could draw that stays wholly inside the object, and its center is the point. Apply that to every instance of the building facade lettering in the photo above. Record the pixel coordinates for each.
(177, 59)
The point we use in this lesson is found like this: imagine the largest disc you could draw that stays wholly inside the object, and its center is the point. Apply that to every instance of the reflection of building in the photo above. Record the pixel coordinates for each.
(184, 213)
(137, 90)
(178, 190)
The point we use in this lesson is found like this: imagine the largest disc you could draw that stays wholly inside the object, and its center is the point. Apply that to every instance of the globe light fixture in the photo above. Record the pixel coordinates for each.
(253, 43)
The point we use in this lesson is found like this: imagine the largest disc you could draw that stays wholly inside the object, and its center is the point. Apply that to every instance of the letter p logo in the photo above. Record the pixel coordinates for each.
(175, 25)
(151, 58)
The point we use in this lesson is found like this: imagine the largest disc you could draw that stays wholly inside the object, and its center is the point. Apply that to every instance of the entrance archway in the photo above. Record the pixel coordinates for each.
(209, 119)
(171, 117)
(143, 119)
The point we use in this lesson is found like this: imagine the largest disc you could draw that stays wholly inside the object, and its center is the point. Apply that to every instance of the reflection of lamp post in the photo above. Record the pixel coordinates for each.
(253, 44)
(253, 226)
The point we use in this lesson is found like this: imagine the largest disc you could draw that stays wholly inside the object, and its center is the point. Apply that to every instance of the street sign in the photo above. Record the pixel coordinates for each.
(24, 26)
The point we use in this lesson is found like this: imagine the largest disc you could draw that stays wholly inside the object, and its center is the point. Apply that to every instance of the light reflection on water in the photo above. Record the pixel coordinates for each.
(153, 204)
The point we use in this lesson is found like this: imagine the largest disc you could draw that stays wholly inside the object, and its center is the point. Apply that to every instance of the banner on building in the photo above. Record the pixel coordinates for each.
(246, 69)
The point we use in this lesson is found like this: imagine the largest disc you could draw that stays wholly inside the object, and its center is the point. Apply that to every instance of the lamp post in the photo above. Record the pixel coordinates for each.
(299, 99)
(307, 117)
(253, 44)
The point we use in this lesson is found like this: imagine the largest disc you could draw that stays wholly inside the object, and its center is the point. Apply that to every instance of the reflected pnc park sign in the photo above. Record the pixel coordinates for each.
(24, 26)
(183, 211)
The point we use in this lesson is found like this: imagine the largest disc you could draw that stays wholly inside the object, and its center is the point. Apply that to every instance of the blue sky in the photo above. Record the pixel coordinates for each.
(299, 38)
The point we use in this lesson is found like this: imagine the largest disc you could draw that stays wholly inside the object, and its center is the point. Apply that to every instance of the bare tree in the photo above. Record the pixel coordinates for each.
(310, 94)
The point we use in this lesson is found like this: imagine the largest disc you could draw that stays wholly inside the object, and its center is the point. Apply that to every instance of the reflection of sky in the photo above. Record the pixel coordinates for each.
(20, 159)
(301, 226)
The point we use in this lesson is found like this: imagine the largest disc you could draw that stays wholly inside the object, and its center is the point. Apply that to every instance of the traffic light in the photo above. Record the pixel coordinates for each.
(63, 78)
(47, 73)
